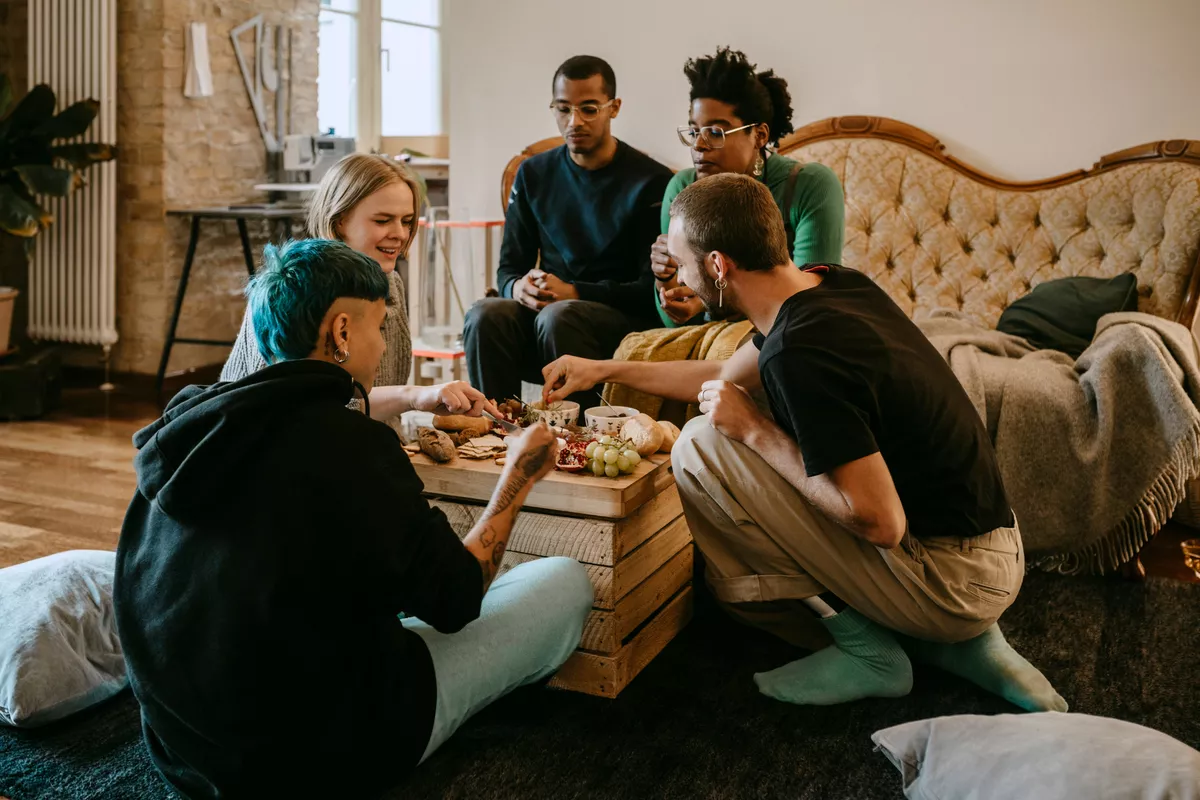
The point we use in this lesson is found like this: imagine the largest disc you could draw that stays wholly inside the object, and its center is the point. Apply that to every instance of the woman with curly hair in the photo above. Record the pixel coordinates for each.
(736, 118)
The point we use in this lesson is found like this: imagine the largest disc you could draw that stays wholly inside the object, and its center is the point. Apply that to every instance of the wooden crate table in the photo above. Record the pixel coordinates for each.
(629, 533)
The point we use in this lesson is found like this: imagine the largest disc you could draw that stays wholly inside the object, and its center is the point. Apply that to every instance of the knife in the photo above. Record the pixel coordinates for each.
(508, 426)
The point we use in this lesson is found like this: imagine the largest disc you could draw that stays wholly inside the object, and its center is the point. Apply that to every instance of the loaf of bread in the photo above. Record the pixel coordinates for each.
(670, 435)
(436, 444)
(644, 433)
(461, 423)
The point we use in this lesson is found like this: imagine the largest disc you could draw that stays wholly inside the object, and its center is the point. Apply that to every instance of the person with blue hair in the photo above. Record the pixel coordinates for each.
(370, 202)
(293, 612)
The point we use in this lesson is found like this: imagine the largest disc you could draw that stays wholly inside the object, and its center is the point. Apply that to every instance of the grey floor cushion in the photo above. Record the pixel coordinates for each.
(1044, 756)
(59, 651)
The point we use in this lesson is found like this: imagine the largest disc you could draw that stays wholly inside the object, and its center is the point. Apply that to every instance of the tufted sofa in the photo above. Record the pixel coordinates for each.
(935, 233)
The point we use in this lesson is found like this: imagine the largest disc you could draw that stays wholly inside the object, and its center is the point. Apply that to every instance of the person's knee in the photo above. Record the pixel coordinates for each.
(568, 586)
(560, 316)
(491, 312)
(697, 438)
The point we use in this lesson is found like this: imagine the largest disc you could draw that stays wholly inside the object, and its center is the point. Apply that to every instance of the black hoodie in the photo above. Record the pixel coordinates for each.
(274, 537)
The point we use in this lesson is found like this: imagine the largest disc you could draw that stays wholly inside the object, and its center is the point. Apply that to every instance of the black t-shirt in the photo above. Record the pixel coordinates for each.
(848, 374)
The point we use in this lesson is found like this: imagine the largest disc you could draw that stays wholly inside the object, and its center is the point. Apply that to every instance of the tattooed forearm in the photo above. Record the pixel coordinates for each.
(489, 538)
(522, 473)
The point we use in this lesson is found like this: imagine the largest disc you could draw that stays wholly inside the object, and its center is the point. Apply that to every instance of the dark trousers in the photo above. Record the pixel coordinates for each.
(507, 342)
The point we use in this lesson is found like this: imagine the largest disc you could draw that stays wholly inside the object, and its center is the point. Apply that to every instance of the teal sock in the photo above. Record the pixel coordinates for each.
(864, 661)
(989, 661)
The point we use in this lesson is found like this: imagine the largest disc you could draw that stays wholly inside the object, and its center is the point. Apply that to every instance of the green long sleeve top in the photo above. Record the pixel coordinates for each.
(815, 222)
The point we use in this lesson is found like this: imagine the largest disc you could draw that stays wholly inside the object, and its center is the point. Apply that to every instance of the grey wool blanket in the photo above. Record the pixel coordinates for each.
(1095, 453)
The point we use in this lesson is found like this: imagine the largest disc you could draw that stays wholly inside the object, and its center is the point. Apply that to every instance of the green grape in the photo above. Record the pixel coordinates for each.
(634, 458)
(607, 441)
(611, 455)
(591, 449)
(624, 464)
(597, 467)
(611, 470)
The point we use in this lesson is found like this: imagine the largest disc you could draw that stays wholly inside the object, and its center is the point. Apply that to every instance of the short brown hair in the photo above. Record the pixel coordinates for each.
(735, 215)
(352, 180)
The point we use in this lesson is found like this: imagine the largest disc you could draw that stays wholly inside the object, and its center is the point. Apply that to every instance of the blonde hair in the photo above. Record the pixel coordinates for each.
(352, 180)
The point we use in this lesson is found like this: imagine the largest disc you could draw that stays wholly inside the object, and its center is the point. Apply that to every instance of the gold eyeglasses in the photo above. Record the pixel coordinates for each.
(712, 135)
(587, 111)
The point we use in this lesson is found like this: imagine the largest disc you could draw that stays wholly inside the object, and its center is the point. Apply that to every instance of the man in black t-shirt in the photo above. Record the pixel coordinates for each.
(574, 274)
(870, 508)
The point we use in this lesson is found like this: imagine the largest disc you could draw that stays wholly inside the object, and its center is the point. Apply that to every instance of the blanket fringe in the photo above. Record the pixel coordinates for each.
(1125, 540)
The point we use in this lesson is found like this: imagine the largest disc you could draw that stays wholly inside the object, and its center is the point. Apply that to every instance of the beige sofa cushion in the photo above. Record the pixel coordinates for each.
(937, 237)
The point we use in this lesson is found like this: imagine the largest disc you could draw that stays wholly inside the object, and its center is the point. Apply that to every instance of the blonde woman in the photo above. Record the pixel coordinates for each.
(370, 202)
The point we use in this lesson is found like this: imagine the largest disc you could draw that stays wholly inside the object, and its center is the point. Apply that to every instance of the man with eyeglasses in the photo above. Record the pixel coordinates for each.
(574, 272)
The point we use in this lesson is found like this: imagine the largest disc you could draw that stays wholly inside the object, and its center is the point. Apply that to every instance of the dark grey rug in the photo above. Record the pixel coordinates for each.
(693, 726)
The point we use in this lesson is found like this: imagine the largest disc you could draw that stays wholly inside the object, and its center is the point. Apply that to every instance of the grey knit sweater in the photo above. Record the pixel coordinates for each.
(393, 367)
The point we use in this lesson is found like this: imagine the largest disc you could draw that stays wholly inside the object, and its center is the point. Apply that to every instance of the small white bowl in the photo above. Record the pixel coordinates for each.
(559, 415)
(605, 420)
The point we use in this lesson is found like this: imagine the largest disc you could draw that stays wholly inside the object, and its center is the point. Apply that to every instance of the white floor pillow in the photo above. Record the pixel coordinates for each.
(1047, 756)
(59, 651)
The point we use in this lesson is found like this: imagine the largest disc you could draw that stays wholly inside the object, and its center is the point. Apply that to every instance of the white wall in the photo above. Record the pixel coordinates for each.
(1022, 88)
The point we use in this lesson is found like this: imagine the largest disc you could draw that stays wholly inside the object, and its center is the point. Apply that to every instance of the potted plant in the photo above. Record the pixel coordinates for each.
(34, 164)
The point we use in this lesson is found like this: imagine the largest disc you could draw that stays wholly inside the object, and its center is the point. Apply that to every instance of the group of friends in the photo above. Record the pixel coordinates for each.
(294, 613)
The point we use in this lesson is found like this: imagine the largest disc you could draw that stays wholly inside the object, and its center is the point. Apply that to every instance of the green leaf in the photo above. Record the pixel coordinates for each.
(41, 179)
(19, 215)
(34, 109)
(72, 121)
(5, 94)
(84, 154)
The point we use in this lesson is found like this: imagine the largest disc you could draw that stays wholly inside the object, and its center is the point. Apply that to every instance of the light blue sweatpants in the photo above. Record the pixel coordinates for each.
(530, 622)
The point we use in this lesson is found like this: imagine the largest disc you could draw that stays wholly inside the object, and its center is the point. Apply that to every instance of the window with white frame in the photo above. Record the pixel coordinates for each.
(411, 85)
(400, 94)
(337, 56)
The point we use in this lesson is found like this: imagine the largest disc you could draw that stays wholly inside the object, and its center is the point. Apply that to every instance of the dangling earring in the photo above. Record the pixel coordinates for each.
(341, 355)
(758, 166)
(721, 283)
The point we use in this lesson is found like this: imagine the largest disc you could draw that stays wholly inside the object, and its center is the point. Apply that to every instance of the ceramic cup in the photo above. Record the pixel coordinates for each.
(558, 415)
(607, 420)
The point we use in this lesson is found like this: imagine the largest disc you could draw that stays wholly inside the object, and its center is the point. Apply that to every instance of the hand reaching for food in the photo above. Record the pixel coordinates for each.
(568, 375)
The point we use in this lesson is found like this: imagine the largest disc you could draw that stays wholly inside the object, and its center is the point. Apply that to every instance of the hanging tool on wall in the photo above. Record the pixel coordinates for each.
(251, 80)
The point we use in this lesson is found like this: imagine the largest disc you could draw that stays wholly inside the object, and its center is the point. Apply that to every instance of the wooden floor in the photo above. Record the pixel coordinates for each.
(66, 480)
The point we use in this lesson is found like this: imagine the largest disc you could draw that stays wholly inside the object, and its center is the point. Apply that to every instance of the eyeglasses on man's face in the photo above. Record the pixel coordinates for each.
(586, 111)
(712, 135)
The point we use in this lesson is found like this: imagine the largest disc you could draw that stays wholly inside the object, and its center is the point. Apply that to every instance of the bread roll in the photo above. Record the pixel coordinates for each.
(670, 434)
(644, 433)
(460, 423)
(436, 444)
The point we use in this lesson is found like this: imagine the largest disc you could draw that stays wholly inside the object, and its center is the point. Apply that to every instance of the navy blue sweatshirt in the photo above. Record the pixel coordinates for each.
(274, 537)
(592, 228)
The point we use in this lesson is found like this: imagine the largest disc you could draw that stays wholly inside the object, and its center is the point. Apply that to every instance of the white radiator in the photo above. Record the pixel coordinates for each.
(73, 277)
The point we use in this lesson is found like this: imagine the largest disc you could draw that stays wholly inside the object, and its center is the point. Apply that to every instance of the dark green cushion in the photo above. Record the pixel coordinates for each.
(1062, 314)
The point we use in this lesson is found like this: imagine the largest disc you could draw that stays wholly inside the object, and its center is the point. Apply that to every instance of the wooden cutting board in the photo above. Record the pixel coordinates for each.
(581, 494)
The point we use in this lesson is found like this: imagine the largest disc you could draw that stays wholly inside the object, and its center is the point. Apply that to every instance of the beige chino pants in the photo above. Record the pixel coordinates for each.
(766, 549)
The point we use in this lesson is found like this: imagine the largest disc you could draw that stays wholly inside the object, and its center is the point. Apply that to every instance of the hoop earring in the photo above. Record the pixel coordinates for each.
(758, 166)
(341, 355)
(721, 285)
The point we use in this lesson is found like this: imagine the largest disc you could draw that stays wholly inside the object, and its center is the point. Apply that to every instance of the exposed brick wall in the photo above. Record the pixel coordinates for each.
(14, 43)
(185, 152)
